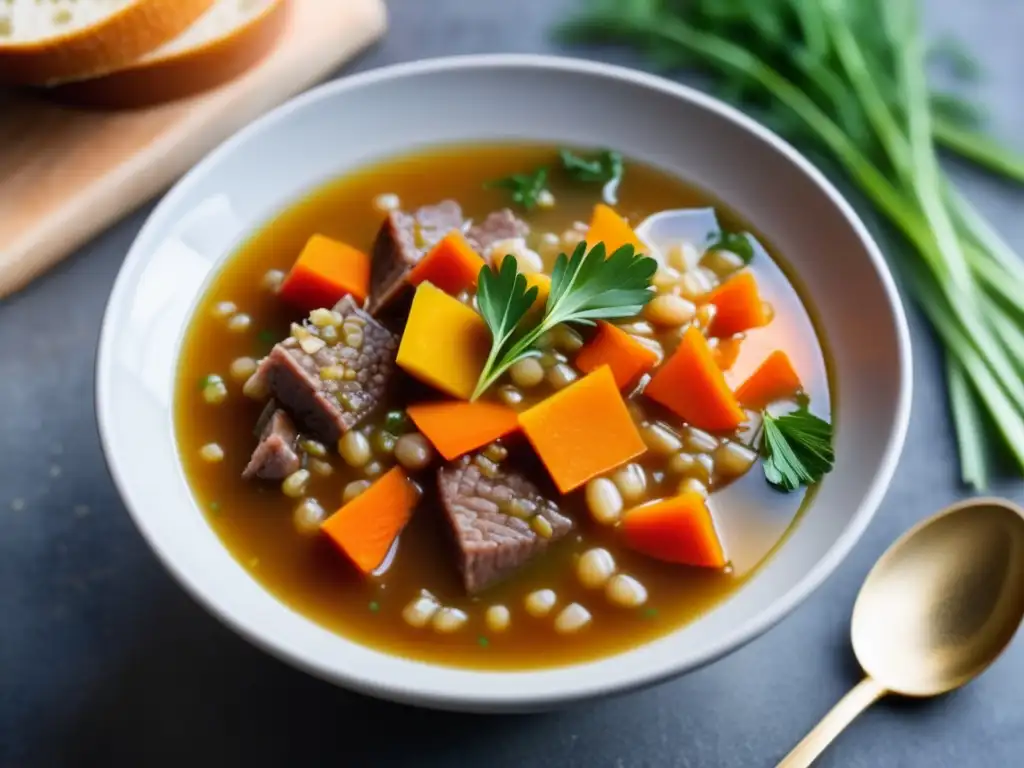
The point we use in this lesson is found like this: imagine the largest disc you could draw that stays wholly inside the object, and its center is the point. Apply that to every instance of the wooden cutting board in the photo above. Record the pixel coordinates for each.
(67, 174)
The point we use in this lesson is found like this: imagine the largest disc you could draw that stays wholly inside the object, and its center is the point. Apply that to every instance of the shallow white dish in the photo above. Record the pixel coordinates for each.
(347, 123)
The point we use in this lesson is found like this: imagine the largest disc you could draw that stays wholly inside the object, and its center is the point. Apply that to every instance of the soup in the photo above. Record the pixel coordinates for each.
(354, 447)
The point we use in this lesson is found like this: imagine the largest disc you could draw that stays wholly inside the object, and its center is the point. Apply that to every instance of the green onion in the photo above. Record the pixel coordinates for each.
(847, 81)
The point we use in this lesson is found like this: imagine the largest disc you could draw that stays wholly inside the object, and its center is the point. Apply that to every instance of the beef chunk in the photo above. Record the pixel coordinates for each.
(402, 241)
(490, 517)
(329, 387)
(500, 225)
(275, 457)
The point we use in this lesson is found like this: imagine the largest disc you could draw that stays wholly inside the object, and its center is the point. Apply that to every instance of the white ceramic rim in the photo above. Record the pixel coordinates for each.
(531, 696)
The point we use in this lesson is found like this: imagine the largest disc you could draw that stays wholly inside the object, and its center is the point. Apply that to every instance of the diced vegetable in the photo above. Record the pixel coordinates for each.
(738, 306)
(773, 380)
(677, 530)
(325, 272)
(691, 384)
(606, 226)
(582, 431)
(452, 265)
(445, 343)
(726, 353)
(611, 346)
(543, 284)
(456, 427)
(366, 527)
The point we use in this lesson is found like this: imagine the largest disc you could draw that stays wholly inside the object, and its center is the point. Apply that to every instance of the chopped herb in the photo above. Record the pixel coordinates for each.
(215, 507)
(737, 242)
(205, 381)
(396, 423)
(374, 606)
(483, 642)
(584, 287)
(797, 449)
(650, 613)
(604, 167)
(524, 188)
(267, 338)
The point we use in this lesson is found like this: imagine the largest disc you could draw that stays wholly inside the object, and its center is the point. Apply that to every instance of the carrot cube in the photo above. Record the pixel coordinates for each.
(606, 226)
(612, 346)
(775, 379)
(366, 527)
(452, 265)
(455, 427)
(582, 431)
(445, 343)
(677, 530)
(691, 385)
(738, 306)
(325, 272)
(543, 284)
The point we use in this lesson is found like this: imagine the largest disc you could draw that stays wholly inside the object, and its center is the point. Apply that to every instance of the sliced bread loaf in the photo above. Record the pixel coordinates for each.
(46, 42)
(223, 43)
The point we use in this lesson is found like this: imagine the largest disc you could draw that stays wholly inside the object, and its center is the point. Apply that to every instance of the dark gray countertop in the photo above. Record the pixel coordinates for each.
(105, 661)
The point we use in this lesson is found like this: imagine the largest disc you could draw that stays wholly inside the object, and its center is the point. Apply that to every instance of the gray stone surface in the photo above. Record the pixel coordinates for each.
(104, 661)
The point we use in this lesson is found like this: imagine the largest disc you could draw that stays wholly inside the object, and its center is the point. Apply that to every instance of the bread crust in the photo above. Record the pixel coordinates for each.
(110, 44)
(183, 73)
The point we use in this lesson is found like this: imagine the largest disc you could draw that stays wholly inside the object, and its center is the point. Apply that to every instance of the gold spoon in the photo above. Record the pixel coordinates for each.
(939, 607)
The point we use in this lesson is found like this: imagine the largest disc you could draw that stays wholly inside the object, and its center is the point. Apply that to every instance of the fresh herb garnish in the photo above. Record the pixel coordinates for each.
(267, 338)
(374, 606)
(205, 381)
(848, 82)
(215, 507)
(525, 188)
(584, 287)
(482, 641)
(797, 448)
(736, 242)
(396, 423)
(604, 167)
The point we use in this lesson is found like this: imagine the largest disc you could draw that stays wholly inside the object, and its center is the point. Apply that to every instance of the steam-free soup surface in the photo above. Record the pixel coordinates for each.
(255, 519)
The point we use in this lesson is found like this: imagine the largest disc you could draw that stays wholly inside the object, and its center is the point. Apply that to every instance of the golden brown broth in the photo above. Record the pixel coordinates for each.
(255, 520)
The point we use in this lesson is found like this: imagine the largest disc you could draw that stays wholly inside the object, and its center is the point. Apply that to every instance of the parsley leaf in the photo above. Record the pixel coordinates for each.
(503, 299)
(797, 449)
(604, 167)
(584, 287)
(737, 242)
(525, 188)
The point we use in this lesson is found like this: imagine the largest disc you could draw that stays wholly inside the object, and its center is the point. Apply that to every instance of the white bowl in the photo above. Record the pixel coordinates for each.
(347, 123)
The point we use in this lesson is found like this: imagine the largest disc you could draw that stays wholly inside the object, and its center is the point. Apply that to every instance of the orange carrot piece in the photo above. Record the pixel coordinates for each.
(326, 271)
(691, 385)
(582, 431)
(726, 352)
(455, 427)
(775, 379)
(452, 265)
(606, 226)
(366, 527)
(543, 283)
(677, 530)
(738, 306)
(611, 346)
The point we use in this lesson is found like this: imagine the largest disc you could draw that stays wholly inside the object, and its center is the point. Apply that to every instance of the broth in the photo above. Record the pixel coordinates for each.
(254, 520)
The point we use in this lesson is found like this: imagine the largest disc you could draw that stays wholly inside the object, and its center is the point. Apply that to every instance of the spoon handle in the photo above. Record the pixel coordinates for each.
(866, 693)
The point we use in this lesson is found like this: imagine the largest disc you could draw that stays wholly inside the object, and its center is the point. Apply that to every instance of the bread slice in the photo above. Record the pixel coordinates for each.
(224, 42)
(42, 42)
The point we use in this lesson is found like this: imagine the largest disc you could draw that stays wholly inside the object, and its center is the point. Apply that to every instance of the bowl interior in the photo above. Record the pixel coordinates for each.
(472, 99)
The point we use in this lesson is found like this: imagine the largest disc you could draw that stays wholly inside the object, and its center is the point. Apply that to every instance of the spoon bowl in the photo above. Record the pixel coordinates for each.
(937, 609)
(944, 601)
